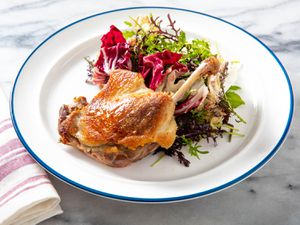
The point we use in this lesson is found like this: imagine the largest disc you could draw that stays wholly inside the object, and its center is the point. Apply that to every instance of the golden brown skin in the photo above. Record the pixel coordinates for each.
(123, 123)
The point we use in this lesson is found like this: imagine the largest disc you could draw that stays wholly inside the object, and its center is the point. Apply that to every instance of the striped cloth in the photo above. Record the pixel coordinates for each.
(26, 194)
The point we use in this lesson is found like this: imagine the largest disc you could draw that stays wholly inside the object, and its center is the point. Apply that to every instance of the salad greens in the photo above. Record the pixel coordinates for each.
(165, 57)
(149, 37)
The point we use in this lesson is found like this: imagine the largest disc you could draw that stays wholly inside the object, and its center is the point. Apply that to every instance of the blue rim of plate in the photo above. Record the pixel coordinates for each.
(169, 199)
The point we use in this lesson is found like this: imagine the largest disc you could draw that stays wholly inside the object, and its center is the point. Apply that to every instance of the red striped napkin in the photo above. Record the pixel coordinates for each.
(26, 194)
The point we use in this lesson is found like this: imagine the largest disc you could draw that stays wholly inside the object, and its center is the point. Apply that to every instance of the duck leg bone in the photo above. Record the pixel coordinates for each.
(208, 66)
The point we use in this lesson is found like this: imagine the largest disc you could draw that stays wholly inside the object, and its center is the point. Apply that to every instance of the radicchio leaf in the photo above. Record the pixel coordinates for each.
(114, 54)
(154, 68)
(174, 72)
(113, 37)
(193, 101)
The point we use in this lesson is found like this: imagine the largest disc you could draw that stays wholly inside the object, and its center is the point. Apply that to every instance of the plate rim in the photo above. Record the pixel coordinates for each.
(168, 199)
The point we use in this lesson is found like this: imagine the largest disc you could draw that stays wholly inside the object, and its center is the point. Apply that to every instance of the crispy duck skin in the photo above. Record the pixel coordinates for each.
(123, 123)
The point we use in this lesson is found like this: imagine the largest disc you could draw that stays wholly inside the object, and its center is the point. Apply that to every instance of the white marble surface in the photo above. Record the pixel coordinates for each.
(271, 196)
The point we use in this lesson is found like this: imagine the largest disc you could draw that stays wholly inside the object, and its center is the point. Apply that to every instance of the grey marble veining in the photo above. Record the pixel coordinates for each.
(270, 196)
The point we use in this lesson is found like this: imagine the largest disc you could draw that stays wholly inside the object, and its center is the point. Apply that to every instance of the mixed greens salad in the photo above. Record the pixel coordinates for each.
(166, 58)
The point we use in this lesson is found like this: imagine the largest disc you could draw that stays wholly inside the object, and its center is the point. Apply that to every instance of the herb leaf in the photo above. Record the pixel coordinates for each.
(233, 98)
(234, 88)
(193, 148)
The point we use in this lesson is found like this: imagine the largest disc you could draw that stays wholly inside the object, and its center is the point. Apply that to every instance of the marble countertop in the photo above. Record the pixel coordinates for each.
(270, 196)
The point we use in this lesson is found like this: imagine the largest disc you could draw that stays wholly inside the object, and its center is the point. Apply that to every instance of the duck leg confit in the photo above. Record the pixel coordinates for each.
(125, 121)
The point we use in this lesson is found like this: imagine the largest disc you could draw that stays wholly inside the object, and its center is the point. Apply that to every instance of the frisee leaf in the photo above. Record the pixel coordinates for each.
(235, 61)
(239, 117)
(128, 33)
(193, 148)
(199, 116)
(128, 23)
(158, 39)
(158, 160)
(195, 51)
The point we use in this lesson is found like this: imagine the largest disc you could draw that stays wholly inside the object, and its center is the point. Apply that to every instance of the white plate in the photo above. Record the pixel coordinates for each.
(55, 72)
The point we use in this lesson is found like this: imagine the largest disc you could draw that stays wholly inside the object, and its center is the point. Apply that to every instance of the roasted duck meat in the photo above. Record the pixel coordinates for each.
(123, 123)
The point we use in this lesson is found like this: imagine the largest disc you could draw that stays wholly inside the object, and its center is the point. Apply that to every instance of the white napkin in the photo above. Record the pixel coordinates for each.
(26, 194)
